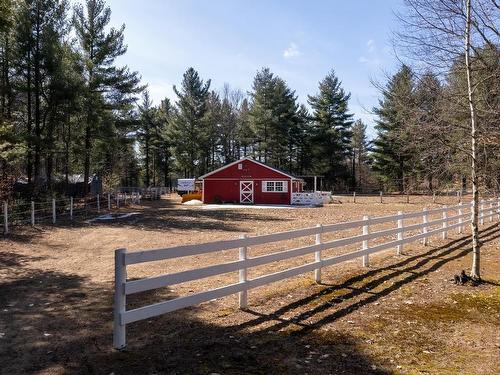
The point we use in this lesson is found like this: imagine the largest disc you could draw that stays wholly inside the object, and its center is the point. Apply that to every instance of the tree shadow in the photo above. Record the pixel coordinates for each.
(411, 268)
(54, 322)
(58, 322)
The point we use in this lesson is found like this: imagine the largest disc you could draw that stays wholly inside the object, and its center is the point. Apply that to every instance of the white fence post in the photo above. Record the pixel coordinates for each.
(353, 197)
(399, 248)
(491, 211)
(117, 200)
(381, 197)
(71, 208)
(98, 204)
(119, 334)
(32, 213)
(445, 223)
(317, 256)
(53, 211)
(460, 220)
(125, 200)
(425, 219)
(366, 230)
(5, 218)
(243, 295)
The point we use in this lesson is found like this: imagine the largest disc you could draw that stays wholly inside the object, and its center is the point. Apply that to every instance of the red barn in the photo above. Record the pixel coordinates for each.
(250, 182)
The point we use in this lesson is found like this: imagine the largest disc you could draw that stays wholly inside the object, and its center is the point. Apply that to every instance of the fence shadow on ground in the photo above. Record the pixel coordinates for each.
(412, 268)
(58, 322)
(61, 323)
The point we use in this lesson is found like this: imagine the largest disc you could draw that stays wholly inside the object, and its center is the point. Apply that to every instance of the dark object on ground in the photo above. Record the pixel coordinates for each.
(463, 279)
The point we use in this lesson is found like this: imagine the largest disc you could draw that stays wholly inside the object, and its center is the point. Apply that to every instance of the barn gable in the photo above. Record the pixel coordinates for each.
(247, 168)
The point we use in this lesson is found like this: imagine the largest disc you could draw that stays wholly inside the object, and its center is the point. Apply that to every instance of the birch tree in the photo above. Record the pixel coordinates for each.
(439, 34)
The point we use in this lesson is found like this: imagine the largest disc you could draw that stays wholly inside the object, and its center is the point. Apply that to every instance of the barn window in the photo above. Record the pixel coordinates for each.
(240, 166)
(274, 186)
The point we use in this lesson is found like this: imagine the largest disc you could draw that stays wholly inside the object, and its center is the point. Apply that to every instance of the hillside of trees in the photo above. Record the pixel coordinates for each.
(68, 109)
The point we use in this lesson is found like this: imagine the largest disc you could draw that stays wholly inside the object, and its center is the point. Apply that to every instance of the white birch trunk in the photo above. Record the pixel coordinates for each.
(476, 245)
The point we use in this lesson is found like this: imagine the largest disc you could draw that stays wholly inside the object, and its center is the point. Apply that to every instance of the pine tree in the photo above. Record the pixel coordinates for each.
(359, 147)
(145, 133)
(107, 86)
(332, 128)
(391, 151)
(188, 130)
(246, 136)
(166, 114)
(273, 118)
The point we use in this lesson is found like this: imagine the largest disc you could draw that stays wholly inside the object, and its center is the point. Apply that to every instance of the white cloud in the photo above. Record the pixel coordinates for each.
(371, 45)
(292, 51)
(373, 61)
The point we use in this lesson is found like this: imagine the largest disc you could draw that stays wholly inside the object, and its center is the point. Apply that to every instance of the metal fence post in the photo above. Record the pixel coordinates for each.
(399, 248)
(119, 333)
(117, 200)
(425, 219)
(243, 295)
(109, 201)
(317, 255)
(53, 211)
(366, 230)
(445, 223)
(460, 220)
(5, 218)
(98, 204)
(71, 208)
(32, 213)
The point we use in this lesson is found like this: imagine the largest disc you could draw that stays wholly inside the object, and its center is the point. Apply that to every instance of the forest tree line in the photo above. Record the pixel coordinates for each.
(67, 108)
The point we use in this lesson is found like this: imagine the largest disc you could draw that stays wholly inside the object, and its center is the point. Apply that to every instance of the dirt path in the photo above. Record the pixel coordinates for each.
(401, 315)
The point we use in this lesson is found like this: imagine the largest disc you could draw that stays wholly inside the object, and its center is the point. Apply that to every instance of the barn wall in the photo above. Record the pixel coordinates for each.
(229, 191)
(221, 190)
(261, 197)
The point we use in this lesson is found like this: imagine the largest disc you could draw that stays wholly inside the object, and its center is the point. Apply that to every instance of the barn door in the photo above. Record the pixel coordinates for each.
(246, 191)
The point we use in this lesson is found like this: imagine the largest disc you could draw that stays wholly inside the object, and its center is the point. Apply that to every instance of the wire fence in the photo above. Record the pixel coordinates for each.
(67, 209)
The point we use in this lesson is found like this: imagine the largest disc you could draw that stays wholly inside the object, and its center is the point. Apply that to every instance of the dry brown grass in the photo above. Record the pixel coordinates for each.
(401, 315)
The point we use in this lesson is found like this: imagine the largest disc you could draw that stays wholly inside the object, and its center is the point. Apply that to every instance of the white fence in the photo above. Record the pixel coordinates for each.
(307, 199)
(122, 316)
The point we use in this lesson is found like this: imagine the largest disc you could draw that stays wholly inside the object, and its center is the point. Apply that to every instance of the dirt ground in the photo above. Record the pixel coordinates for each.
(401, 315)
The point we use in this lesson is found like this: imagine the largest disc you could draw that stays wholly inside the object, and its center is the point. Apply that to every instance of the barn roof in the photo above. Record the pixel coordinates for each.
(252, 160)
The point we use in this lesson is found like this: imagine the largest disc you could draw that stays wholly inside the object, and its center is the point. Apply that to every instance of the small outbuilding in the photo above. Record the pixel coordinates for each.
(249, 181)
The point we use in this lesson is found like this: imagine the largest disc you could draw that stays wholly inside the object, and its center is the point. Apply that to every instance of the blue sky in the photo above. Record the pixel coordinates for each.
(228, 41)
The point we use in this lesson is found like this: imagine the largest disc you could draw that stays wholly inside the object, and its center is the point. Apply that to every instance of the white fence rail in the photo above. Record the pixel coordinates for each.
(449, 218)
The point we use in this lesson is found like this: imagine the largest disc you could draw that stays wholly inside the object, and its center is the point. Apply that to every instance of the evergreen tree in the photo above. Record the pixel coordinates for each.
(107, 86)
(146, 134)
(392, 146)
(359, 147)
(332, 128)
(188, 127)
(166, 113)
(273, 118)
